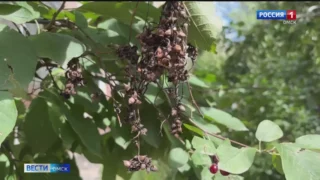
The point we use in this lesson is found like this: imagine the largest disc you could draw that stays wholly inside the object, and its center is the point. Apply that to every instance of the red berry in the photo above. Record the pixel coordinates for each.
(224, 173)
(215, 159)
(214, 168)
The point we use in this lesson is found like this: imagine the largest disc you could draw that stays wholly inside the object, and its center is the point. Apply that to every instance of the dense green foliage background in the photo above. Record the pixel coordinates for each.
(272, 74)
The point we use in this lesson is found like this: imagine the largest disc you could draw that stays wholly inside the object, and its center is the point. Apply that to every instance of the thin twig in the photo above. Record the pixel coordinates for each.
(53, 81)
(164, 91)
(26, 30)
(217, 136)
(132, 17)
(38, 26)
(17, 28)
(192, 99)
(55, 15)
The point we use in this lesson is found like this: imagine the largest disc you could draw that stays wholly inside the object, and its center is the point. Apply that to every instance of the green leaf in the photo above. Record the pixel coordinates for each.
(35, 13)
(178, 157)
(2, 26)
(205, 26)
(298, 164)
(203, 146)
(310, 141)
(276, 162)
(100, 37)
(80, 21)
(60, 125)
(8, 117)
(218, 176)
(268, 131)
(206, 174)
(23, 71)
(122, 29)
(58, 47)
(4, 166)
(38, 128)
(17, 13)
(223, 118)
(234, 160)
(112, 9)
(199, 159)
(152, 124)
(84, 128)
(205, 125)
(184, 168)
(188, 144)
(194, 80)
(193, 129)
(121, 135)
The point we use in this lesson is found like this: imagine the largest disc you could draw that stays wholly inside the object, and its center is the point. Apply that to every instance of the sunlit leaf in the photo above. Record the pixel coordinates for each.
(310, 141)
(223, 118)
(299, 164)
(178, 157)
(205, 26)
(268, 131)
(234, 160)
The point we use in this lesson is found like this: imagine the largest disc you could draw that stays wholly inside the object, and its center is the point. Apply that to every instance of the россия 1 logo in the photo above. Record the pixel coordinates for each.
(289, 16)
(46, 168)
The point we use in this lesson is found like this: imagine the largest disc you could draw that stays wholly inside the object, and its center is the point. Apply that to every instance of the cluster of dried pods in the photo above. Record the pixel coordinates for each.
(164, 50)
(74, 78)
(140, 163)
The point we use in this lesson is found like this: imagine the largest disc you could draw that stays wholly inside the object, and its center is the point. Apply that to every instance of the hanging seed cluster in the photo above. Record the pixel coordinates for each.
(140, 163)
(74, 78)
(165, 47)
(128, 52)
(164, 50)
(133, 117)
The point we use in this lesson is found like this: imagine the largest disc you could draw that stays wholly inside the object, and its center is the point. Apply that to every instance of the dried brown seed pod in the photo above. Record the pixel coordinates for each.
(168, 32)
(134, 129)
(126, 163)
(174, 131)
(159, 53)
(144, 131)
(178, 122)
(160, 32)
(174, 112)
(142, 157)
(182, 108)
(138, 101)
(131, 100)
(173, 126)
(143, 166)
(181, 34)
(126, 87)
(177, 48)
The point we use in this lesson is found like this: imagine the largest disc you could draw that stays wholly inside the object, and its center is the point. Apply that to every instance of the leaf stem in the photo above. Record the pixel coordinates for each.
(192, 99)
(218, 136)
(133, 14)
(260, 146)
(55, 15)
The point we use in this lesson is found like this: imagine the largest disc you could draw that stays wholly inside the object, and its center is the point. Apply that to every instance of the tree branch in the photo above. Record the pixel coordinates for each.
(55, 15)
(217, 136)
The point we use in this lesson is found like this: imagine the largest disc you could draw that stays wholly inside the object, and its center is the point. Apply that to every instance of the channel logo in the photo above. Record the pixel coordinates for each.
(277, 14)
(46, 168)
